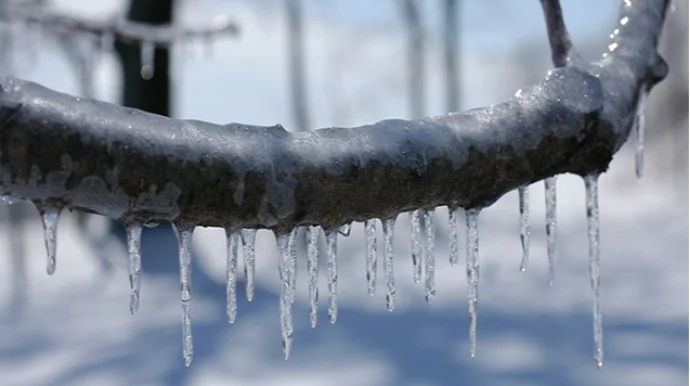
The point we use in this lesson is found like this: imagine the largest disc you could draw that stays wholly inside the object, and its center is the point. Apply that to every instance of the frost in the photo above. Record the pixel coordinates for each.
(388, 230)
(429, 258)
(454, 255)
(50, 215)
(248, 253)
(133, 231)
(184, 240)
(332, 252)
(472, 266)
(370, 231)
(523, 196)
(415, 237)
(550, 185)
(639, 133)
(313, 268)
(233, 239)
(592, 193)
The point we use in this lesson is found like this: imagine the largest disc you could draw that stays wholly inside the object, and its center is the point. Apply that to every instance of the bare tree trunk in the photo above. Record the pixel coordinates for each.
(298, 81)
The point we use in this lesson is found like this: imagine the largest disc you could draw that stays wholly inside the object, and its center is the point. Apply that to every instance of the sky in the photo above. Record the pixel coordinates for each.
(75, 328)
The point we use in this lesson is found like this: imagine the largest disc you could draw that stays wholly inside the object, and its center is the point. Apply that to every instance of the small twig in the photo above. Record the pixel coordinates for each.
(118, 28)
(562, 49)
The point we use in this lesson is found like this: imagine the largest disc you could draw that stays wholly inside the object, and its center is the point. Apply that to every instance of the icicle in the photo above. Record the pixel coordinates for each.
(49, 217)
(248, 253)
(639, 131)
(313, 268)
(292, 267)
(550, 185)
(148, 50)
(429, 258)
(345, 229)
(415, 236)
(453, 234)
(106, 42)
(232, 241)
(370, 231)
(184, 240)
(133, 231)
(285, 265)
(592, 193)
(332, 252)
(472, 265)
(388, 230)
(523, 194)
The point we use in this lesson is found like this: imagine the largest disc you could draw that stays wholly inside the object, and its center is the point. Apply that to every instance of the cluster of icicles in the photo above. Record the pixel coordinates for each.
(422, 230)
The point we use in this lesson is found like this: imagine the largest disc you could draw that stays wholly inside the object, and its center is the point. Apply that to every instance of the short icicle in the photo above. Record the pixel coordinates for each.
(332, 252)
(416, 238)
(592, 198)
(50, 214)
(472, 265)
(147, 59)
(523, 196)
(429, 258)
(133, 231)
(345, 229)
(454, 255)
(184, 239)
(370, 233)
(550, 185)
(248, 254)
(232, 242)
(639, 132)
(388, 230)
(313, 268)
(284, 266)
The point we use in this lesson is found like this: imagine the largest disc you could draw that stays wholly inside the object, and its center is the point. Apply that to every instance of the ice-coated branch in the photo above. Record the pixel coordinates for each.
(561, 47)
(117, 28)
(124, 163)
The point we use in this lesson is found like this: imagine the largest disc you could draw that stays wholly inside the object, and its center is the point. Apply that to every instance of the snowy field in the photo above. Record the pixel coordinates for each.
(75, 328)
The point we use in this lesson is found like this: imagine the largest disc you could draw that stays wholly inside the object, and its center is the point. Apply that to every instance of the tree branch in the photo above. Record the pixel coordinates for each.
(119, 29)
(562, 48)
(121, 162)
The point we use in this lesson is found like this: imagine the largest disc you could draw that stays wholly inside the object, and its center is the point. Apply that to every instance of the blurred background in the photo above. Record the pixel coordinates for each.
(310, 64)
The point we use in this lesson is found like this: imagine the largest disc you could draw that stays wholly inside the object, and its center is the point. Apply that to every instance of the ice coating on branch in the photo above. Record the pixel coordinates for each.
(332, 252)
(50, 214)
(184, 240)
(550, 186)
(592, 200)
(147, 57)
(472, 266)
(416, 239)
(370, 235)
(523, 197)
(388, 230)
(639, 132)
(232, 242)
(133, 231)
(454, 255)
(313, 269)
(345, 229)
(429, 258)
(248, 254)
(285, 271)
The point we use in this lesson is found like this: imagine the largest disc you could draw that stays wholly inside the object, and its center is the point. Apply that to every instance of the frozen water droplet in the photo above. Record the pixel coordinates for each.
(285, 270)
(248, 253)
(133, 231)
(429, 258)
(550, 185)
(345, 229)
(523, 195)
(184, 240)
(454, 256)
(232, 242)
(313, 268)
(148, 50)
(388, 230)
(472, 265)
(50, 215)
(592, 193)
(370, 234)
(332, 252)
(415, 237)
(639, 132)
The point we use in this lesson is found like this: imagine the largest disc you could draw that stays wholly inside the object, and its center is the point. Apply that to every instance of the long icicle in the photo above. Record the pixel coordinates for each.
(388, 230)
(313, 268)
(232, 240)
(284, 266)
(332, 252)
(416, 239)
(592, 198)
(370, 231)
(523, 195)
(133, 231)
(454, 255)
(292, 267)
(184, 241)
(50, 214)
(429, 258)
(248, 254)
(639, 131)
(472, 266)
(550, 185)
